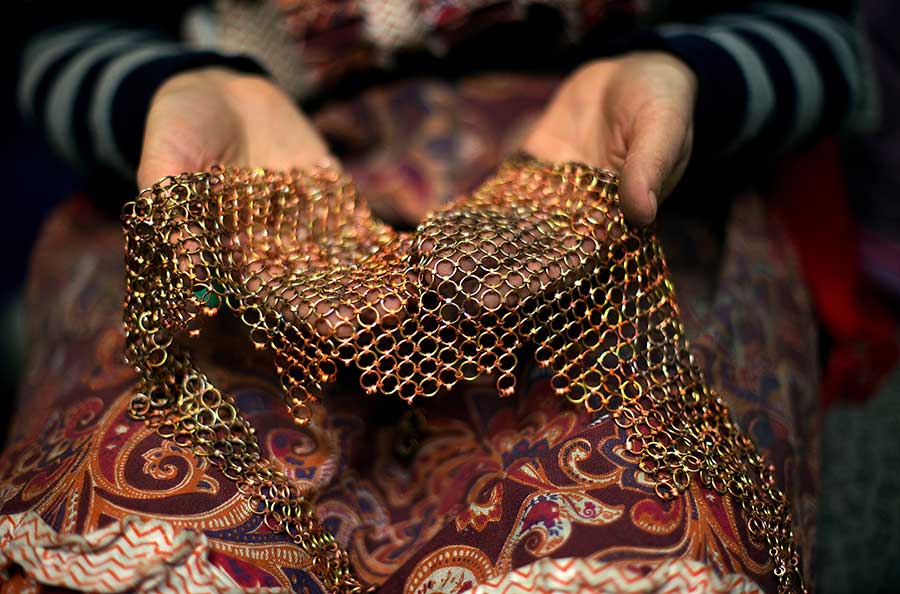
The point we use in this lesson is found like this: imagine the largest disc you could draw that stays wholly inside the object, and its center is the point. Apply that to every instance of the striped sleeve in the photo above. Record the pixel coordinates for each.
(88, 87)
(773, 76)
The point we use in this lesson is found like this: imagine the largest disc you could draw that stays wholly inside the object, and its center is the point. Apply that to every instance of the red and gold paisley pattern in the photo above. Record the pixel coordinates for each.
(495, 486)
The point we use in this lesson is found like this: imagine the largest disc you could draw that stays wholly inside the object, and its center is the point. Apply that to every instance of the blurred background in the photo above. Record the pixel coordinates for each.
(858, 541)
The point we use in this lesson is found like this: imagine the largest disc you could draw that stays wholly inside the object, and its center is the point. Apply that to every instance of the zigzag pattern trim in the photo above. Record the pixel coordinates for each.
(142, 556)
(580, 575)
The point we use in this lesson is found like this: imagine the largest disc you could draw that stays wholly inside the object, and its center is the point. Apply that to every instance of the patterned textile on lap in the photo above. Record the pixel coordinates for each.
(466, 490)
(493, 486)
(539, 257)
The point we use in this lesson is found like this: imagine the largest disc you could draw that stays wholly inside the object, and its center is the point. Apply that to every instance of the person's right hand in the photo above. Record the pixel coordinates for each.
(213, 115)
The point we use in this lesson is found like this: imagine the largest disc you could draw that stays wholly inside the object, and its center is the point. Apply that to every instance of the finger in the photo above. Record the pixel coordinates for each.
(171, 148)
(657, 150)
(153, 169)
(186, 132)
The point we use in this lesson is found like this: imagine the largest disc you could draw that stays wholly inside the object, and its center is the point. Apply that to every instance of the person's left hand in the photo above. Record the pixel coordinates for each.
(632, 114)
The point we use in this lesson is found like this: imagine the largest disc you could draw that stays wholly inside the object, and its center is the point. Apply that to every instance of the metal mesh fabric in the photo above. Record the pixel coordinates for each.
(538, 261)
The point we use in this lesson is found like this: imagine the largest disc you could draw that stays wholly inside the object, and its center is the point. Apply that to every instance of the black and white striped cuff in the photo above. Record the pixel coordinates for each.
(90, 86)
(772, 78)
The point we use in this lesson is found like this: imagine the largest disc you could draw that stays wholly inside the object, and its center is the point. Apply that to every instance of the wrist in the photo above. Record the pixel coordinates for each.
(663, 65)
(221, 78)
(671, 63)
(244, 97)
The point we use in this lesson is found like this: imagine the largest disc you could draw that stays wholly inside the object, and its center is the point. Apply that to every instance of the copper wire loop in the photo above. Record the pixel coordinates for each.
(539, 255)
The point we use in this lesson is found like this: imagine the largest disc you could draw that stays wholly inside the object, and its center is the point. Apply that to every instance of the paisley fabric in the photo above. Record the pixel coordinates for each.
(495, 485)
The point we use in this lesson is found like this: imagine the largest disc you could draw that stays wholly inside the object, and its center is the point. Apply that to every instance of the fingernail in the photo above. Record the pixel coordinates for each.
(654, 205)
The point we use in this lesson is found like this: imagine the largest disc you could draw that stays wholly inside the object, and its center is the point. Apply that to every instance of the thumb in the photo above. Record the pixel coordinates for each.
(657, 154)
(153, 168)
(172, 147)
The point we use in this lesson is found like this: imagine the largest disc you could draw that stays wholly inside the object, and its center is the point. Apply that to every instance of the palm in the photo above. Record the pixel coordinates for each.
(208, 117)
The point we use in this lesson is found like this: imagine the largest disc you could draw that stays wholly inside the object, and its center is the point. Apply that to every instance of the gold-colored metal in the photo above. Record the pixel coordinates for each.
(539, 256)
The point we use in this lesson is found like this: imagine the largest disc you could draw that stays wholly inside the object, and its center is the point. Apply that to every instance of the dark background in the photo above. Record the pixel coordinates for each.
(33, 181)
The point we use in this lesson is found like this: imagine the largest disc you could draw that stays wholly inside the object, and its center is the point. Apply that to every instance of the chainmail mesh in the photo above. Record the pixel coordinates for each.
(539, 259)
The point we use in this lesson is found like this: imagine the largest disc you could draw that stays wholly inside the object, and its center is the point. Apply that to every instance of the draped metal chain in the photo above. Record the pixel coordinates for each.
(538, 259)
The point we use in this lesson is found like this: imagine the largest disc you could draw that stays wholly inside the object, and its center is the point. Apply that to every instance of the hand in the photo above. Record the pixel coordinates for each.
(632, 114)
(214, 115)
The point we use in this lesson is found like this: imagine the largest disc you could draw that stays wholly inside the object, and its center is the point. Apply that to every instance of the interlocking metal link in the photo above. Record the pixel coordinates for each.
(537, 260)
